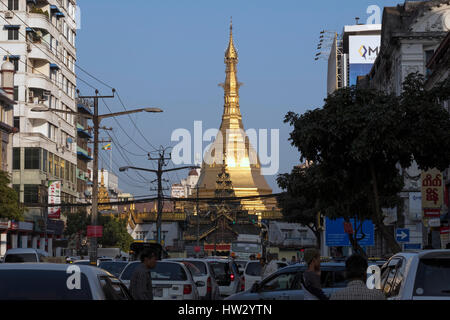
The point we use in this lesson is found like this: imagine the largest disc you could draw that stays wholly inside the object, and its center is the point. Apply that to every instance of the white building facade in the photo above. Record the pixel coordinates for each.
(39, 38)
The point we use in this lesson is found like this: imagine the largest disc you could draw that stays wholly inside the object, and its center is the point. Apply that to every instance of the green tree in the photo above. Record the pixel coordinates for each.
(9, 200)
(76, 226)
(115, 232)
(361, 139)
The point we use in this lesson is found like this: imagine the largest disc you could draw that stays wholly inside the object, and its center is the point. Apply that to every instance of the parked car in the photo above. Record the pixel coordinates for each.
(113, 267)
(422, 275)
(48, 281)
(285, 284)
(202, 270)
(21, 255)
(252, 273)
(171, 280)
(227, 275)
(82, 262)
(241, 265)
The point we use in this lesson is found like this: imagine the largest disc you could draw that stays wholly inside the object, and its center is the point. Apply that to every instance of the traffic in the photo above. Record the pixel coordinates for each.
(27, 274)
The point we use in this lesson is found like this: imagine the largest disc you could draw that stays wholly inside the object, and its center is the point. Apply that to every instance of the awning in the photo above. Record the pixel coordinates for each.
(83, 133)
(83, 109)
(59, 14)
(11, 26)
(54, 66)
(12, 57)
(33, 1)
(28, 29)
(54, 8)
(84, 156)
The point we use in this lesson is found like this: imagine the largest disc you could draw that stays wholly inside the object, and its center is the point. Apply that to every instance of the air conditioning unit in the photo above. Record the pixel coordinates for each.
(9, 15)
(29, 47)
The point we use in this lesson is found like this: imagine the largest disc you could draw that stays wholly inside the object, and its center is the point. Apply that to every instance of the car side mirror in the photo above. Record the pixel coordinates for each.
(255, 287)
(200, 283)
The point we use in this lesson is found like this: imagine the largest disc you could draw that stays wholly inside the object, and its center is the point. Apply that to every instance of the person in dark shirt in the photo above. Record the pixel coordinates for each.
(141, 281)
(311, 277)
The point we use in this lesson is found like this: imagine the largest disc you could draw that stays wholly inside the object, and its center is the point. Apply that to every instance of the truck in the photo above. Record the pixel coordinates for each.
(245, 246)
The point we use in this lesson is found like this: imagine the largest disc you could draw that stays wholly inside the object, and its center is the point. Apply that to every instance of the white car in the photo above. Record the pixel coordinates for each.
(49, 281)
(21, 255)
(422, 275)
(252, 272)
(171, 280)
(227, 275)
(202, 271)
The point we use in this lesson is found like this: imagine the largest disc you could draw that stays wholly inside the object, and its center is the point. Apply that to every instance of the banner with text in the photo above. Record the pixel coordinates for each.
(432, 193)
(54, 197)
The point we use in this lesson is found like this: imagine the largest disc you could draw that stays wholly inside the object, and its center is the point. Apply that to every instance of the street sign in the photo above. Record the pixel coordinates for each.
(434, 223)
(445, 230)
(95, 231)
(336, 236)
(412, 246)
(402, 235)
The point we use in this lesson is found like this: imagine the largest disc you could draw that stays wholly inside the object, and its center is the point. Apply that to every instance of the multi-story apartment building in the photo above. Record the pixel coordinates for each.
(84, 153)
(39, 38)
(6, 116)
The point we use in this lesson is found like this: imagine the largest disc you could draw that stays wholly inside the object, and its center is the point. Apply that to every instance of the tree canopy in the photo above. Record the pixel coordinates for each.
(9, 200)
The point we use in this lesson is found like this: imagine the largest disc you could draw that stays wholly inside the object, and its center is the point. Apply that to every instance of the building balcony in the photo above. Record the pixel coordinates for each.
(39, 51)
(39, 20)
(82, 175)
(83, 133)
(40, 81)
(83, 154)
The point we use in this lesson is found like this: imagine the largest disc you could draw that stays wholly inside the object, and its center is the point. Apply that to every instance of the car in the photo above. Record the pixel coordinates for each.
(419, 275)
(82, 262)
(202, 270)
(20, 255)
(113, 267)
(285, 284)
(171, 280)
(241, 265)
(53, 281)
(252, 273)
(226, 274)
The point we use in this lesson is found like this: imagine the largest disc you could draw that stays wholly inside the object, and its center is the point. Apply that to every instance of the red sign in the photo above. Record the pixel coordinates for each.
(197, 248)
(445, 230)
(95, 231)
(432, 213)
(218, 247)
(348, 228)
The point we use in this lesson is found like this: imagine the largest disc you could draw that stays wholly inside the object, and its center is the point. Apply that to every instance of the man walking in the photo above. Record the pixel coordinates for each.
(293, 260)
(311, 277)
(141, 280)
(356, 270)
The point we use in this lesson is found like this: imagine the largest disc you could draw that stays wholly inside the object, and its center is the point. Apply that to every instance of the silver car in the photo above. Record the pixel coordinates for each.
(171, 280)
(421, 275)
(51, 281)
(227, 275)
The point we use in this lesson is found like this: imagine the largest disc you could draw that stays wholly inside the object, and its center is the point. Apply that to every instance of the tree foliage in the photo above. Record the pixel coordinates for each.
(360, 140)
(9, 200)
(115, 233)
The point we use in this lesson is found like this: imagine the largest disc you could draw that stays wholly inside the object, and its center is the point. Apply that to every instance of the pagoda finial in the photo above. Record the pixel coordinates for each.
(231, 50)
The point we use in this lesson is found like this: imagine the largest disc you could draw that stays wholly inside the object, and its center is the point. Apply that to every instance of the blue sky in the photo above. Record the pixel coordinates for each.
(169, 54)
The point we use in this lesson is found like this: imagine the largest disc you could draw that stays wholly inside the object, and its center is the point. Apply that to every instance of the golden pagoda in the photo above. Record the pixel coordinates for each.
(232, 149)
(103, 196)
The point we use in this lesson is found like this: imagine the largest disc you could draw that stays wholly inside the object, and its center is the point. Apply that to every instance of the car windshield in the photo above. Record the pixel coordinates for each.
(165, 271)
(20, 258)
(253, 269)
(162, 272)
(433, 278)
(192, 269)
(113, 267)
(201, 266)
(41, 285)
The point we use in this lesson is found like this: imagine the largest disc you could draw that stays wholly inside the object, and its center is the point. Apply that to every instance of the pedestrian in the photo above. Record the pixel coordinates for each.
(252, 257)
(283, 260)
(293, 260)
(311, 277)
(141, 281)
(356, 271)
(262, 262)
(270, 268)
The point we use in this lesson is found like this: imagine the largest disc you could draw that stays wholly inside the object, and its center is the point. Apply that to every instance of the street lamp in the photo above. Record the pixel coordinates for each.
(96, 118)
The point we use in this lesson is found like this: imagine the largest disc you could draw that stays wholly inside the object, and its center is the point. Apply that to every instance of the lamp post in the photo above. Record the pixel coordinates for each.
(96, 119)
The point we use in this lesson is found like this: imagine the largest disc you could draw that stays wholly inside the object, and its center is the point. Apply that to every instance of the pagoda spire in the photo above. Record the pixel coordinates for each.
(231, 85)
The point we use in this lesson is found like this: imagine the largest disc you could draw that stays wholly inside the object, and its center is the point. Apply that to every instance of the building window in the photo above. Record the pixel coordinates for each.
(32, 158)
(16, 158)
(50, 163)
(13, 34)
(13, 4)
(31, 193)
(17, 123)
(16, 93)
(44, 160)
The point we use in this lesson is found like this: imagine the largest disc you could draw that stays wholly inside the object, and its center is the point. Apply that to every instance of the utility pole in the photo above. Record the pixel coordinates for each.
(159, 172)
(96, 119)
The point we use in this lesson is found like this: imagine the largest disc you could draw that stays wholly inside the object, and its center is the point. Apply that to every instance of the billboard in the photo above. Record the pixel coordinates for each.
(432, 193)
(54, 197)
(363, 51)
(336, 233)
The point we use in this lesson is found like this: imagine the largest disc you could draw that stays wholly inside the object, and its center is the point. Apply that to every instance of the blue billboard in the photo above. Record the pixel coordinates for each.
(336, 237)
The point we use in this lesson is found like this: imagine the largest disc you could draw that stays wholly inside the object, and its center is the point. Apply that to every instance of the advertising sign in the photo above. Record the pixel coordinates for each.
(336, 235)
(54, 197)
(95, 231)
(432, 192)
(5, 224)
(363, 51)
